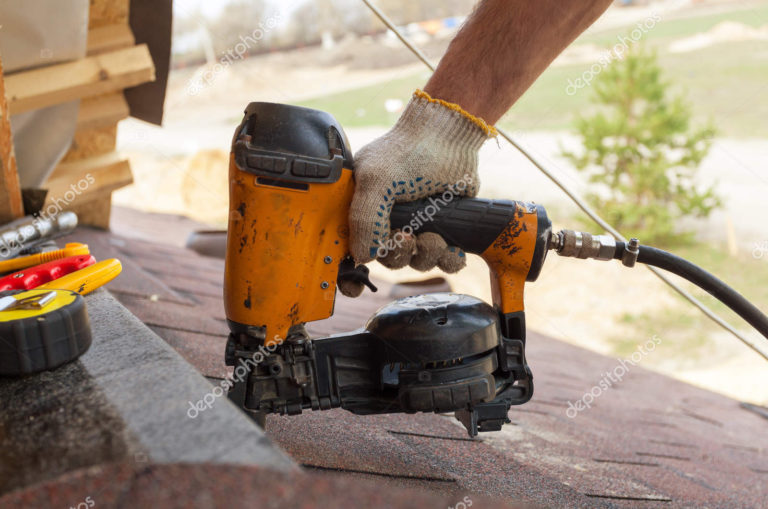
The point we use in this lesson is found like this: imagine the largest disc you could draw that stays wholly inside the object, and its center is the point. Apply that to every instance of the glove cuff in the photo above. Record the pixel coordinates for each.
(446, 124)
(489, 130)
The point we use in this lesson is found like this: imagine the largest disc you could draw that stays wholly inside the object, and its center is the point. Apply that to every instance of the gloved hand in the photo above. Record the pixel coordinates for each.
(431, 150)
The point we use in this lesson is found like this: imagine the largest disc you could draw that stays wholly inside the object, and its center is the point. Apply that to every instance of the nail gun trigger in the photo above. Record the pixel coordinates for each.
(358, 274)
(363, 278)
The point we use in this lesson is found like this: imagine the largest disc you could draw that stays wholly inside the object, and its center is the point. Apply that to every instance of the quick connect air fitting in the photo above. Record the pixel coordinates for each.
(583, 245)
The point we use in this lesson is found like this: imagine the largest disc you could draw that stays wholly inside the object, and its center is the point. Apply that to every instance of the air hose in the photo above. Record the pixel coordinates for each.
(604, 247)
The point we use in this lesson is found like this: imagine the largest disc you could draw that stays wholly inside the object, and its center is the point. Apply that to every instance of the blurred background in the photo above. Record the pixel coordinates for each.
(699, 70)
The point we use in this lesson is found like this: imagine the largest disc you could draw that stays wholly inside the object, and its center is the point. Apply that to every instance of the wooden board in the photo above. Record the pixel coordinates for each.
(91, 142)
(10, 195)
(102, 111)
(108, 12)
(81, 181)
(90, 76)
(98, 116)
(109, 38)
(94, 212)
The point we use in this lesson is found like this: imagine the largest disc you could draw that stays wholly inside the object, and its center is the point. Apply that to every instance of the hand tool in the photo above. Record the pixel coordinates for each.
(22, 262)
(48, 326)
(41, 330)
(291, 183)
(34, 301)
(86, 280)
(33, 277)
(28, 231)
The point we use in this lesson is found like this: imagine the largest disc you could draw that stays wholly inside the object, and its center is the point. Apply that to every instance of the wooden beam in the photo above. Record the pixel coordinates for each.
(91, 142)
(99, 74)
(11, 205)
(109, 38)
(95, 212)
(102, 111)
(81, 181)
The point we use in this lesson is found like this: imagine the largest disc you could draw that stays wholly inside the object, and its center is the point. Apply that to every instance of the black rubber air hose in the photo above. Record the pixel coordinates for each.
(704, 280)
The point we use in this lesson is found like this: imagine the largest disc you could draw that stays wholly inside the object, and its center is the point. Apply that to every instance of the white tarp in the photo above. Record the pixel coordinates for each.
(36, 33)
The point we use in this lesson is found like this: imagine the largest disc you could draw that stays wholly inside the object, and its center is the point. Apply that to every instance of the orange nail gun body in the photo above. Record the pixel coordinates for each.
(287, 219)
(291, 184)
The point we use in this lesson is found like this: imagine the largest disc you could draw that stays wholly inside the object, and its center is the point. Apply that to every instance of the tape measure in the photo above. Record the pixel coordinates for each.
(41, 329)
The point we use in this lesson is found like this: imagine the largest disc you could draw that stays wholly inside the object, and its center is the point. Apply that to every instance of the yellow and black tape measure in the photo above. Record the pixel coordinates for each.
(41, 329)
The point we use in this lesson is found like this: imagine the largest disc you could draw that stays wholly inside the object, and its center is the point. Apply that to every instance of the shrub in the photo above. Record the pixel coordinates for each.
(642, 152)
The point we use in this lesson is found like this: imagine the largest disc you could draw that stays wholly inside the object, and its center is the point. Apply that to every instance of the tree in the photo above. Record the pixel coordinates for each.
(237, 21)
(642, 152)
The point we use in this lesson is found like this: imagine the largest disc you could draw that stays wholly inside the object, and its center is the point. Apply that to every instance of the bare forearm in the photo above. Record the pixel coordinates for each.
(504, 46)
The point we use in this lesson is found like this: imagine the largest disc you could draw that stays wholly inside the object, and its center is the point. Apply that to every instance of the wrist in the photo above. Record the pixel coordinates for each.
(477, 102)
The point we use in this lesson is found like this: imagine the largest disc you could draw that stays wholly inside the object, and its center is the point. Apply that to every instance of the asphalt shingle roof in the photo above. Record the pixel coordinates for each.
(647, 441)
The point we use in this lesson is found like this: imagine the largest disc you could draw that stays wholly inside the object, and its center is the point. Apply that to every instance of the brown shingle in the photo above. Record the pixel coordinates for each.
(647, 440)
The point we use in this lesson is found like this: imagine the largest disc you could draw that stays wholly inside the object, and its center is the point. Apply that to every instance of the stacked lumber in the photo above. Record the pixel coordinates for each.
(91, 170)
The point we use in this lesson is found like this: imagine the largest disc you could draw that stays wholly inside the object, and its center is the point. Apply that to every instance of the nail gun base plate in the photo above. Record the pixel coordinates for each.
(38, 339)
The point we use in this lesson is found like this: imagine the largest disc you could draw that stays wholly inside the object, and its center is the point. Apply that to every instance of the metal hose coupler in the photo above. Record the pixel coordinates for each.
(630, 253)
(583, 245)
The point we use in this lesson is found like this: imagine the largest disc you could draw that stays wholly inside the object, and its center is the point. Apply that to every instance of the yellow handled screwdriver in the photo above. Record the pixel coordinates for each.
(71, 249)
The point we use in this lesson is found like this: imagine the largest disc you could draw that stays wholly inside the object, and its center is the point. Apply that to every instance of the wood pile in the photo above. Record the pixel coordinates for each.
(113, 63)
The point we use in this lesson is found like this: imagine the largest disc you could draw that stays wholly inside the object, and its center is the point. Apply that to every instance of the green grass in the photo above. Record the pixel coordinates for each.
(724, 83)
(680, 331)
(363, 107)
(668, 29)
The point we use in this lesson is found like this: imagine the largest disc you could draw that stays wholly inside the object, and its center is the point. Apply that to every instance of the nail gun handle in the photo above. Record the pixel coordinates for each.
(472, 224)
(511, 236)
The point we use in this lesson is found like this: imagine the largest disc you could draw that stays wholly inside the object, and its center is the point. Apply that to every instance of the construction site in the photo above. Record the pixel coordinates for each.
(542, 282)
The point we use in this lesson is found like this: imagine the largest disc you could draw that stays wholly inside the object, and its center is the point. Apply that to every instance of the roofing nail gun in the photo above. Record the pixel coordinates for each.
(291, 184)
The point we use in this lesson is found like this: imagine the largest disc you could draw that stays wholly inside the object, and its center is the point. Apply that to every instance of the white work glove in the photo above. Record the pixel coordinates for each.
(431, 150)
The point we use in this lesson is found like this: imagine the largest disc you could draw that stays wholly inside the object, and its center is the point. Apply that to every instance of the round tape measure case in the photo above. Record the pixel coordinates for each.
(41, 329)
